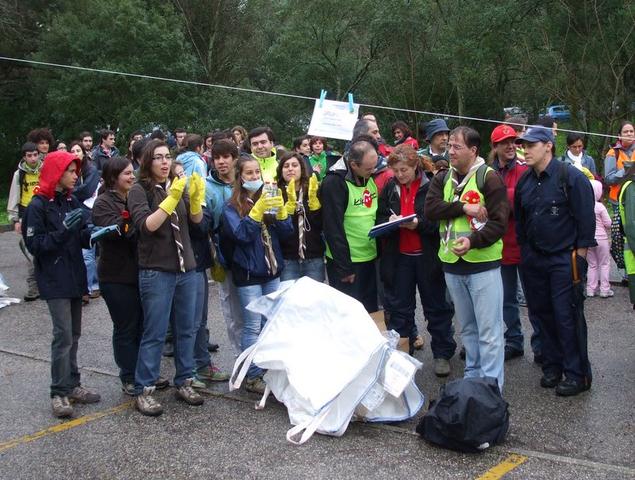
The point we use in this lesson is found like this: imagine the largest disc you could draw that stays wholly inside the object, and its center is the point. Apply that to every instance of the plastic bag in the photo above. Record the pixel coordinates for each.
(324, 356)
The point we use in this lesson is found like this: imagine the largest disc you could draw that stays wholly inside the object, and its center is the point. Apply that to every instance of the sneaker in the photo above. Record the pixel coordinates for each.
(255, 385)
(61, 406)
(128, 388)
(212, 374)
(418, 343)
(146, 404)
(186, 393)
(590, 293)
(162, 383)
(441, 367)
(607, 294)
(83, 395)
(94, 294)
(198, 383)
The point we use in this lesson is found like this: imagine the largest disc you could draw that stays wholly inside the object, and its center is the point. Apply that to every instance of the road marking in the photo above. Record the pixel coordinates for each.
(506, 466)
(77, 422)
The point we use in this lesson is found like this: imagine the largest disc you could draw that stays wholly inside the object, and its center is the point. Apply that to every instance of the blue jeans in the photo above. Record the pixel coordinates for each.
(161, 291)
(478, 303)
(311, 267)
(202, 357)
(253, 322)
(413, 272)
(91, 268)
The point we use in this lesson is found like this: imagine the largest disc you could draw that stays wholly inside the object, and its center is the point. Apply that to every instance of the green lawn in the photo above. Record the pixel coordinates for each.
(4, 219)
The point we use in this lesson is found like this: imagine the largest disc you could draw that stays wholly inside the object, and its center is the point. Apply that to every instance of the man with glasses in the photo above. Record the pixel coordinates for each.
(470, 202)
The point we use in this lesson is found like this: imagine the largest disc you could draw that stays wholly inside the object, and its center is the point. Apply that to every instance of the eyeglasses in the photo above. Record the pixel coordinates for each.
(455, 146)
(160, 158)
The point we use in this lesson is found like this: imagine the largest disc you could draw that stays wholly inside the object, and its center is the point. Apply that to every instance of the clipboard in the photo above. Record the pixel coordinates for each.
(387, 227)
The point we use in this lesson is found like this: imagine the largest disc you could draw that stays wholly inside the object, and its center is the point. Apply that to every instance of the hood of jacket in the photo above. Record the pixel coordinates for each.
(55, 164)
(597, 189)
(188, 159)
(27, 169)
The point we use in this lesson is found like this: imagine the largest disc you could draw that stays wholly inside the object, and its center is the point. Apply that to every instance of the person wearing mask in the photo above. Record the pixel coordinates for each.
(161, 211)
(409, 259)
(25, 180)
(55, 231)
(303, 251)
(257, 260)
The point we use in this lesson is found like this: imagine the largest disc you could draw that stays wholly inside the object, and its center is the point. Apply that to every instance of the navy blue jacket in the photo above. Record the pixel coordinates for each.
(248, 262)
(57, 252)
(551, 218)
(200, 240)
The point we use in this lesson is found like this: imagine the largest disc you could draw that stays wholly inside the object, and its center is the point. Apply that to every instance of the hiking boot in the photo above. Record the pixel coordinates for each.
(128, 388)
(255, 385)
(162, 383)
(146, 404)
(186, 393)
(212, 374)
(83, 395)
(418, 343)
(607, 294)
(61, 406)
(441, 367)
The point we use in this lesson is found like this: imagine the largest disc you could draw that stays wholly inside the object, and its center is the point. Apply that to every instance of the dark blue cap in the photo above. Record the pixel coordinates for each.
(536, 133)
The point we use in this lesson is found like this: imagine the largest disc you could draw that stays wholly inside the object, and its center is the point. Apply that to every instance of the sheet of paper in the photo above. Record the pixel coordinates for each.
(333, 119)
(397, 374)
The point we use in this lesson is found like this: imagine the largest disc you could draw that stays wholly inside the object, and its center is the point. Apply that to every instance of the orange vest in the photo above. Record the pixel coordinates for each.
(614, 190)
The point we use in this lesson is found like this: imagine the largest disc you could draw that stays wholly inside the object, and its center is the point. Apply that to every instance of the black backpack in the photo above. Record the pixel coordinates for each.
(470, 415)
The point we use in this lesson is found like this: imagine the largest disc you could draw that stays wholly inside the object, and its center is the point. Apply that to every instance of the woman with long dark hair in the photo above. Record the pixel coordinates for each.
(160, 206)
(303, 251)
(257, 257)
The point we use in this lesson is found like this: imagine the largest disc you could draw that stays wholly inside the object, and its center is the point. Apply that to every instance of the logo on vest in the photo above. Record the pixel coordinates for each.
(366, 199)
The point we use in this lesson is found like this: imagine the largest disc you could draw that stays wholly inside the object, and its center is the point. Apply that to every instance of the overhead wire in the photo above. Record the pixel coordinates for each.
(280, 94)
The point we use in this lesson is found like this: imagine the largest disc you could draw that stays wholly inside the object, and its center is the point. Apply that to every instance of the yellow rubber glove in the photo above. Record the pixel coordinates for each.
(278, 202)
(197, 193)
(292, 199)
(174, 195)
(314, 202)
(267, 203)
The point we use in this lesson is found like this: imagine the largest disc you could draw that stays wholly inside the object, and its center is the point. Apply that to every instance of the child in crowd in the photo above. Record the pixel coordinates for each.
(599, 257)
(55, 230)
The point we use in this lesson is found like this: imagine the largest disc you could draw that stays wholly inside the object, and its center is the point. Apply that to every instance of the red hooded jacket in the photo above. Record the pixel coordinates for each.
(55, 164)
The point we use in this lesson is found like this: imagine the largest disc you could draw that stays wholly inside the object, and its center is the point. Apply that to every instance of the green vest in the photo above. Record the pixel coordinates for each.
(268, 167)
(359, 218)
(461, 226)
(629, 255)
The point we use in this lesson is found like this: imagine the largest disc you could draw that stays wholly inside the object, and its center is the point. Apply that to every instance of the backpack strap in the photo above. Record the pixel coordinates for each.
(481, 173)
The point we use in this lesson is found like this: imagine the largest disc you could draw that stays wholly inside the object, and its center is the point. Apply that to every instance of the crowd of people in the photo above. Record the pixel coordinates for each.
(142, 229)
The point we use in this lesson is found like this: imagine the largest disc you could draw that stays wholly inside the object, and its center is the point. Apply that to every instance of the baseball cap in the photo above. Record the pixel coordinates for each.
(536, 133)
(502, 132)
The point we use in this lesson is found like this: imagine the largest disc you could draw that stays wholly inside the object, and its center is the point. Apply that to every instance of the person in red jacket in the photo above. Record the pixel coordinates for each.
(510, 168)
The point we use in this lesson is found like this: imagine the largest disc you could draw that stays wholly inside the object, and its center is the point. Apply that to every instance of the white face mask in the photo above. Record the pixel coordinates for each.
(252, 185)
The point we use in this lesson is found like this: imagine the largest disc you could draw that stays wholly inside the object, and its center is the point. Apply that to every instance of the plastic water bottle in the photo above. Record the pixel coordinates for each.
(270, 190)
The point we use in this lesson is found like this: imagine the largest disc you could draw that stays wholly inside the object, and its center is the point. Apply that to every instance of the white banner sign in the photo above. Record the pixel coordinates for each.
(333, 119)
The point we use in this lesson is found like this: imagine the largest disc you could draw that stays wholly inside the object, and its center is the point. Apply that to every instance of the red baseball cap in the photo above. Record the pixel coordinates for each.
(502, 132)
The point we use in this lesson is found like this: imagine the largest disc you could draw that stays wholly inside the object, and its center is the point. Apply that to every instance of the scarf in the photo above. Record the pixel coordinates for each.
(303, 224)
(458, 190)
(270, 255)
(176, 230)
(576, 160)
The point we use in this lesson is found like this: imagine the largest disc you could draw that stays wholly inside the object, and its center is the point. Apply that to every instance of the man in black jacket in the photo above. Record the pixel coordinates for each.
(349, 198)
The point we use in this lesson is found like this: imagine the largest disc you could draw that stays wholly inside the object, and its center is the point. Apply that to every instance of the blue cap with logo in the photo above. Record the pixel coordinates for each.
(536, 133)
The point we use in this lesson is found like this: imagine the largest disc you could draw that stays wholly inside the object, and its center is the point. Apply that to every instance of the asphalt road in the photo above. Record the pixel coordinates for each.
(591, 436)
